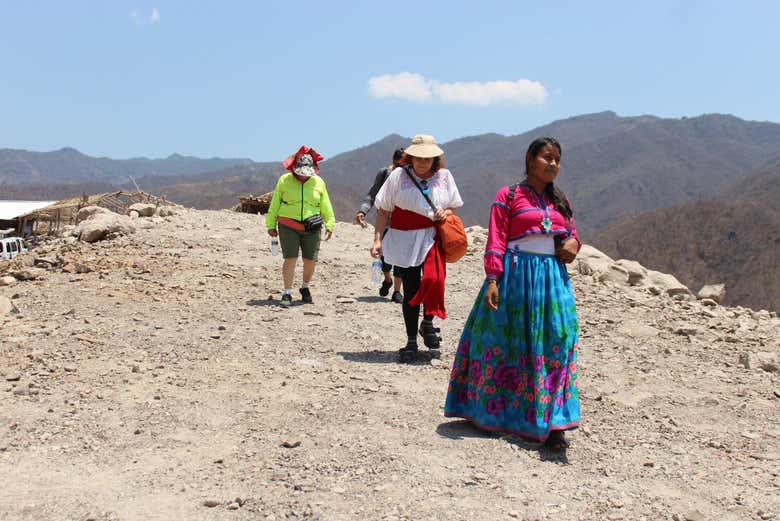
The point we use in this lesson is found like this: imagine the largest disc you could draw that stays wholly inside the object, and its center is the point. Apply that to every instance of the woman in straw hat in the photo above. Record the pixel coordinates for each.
(299, 209)
(515, 368)
(412, 243)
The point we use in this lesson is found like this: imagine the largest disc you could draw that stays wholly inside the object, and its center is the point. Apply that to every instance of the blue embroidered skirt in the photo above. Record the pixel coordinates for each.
(515, 369)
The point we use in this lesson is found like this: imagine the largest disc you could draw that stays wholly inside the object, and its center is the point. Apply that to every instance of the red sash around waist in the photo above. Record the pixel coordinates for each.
(431, 292)
(405, 220)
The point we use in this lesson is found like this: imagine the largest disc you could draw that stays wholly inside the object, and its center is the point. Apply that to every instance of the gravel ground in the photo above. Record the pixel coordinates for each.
(165, 382)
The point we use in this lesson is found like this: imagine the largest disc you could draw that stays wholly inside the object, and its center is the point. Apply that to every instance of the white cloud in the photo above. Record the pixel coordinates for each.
(406, 85)
(415, 87)
(153, 18)
(520, 92)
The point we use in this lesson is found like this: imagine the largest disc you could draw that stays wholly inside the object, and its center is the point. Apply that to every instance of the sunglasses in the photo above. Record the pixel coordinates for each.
(425, 188)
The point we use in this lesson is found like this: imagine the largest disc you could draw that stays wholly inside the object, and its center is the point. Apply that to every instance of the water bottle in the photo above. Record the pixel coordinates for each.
(376, 273)
(274, 246)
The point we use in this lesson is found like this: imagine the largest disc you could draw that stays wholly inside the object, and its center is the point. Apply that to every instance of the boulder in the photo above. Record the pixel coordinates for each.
(767, 361)
(761, 314)
(134, 215)
(616, 274)
(100, 225)
(166, 211)
(66, 232)
(28, 273)
(714, 292)
(667, 283)
(591, 261)
(7, 280)
(636, 272)
(144, 224)
(686, 331)
(89, 211)
(81, 268)
(143, 209)
(46, 261)
(6, 306)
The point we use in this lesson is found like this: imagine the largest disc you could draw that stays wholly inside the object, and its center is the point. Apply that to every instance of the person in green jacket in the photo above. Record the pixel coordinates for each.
(299, 209)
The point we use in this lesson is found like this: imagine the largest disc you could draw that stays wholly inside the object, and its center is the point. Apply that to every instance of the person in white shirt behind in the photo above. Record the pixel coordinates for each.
(412, 242)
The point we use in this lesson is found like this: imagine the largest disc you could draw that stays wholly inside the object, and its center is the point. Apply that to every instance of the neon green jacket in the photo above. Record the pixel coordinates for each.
(296, 200)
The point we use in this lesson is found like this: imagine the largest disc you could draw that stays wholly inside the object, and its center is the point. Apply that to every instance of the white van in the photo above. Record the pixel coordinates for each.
(10, 247)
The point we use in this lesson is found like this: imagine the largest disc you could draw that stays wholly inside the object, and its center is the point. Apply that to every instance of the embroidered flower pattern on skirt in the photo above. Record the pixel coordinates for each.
(515, 369)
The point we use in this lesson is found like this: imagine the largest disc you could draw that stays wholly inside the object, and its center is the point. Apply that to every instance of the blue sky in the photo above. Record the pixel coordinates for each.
(257, 79)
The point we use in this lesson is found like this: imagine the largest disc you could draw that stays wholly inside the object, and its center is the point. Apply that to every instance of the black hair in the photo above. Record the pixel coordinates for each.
(556, 195)
(398, 154)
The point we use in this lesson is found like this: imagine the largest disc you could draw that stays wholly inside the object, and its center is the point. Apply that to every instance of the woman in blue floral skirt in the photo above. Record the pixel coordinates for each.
(515, 369)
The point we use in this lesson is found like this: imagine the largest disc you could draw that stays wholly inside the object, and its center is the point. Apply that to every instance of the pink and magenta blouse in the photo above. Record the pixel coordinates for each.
(513, 220)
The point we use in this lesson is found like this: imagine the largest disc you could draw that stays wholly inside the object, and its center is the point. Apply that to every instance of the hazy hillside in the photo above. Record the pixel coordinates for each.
(216, 193)
(734, 240)
(255, 170)
(613, 167)
(52, 192)
(69, 166)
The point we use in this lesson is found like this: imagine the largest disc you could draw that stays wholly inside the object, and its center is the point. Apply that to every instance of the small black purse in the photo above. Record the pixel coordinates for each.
(312, 223)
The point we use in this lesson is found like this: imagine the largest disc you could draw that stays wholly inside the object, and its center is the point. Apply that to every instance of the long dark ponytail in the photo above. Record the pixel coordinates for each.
(555, 194)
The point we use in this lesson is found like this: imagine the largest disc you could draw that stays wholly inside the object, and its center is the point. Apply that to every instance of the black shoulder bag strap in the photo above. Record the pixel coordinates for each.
(420, 189)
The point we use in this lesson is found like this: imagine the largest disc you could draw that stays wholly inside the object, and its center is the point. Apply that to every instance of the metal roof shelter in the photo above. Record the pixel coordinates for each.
(36, 217)
(10, 210)
(13, 214)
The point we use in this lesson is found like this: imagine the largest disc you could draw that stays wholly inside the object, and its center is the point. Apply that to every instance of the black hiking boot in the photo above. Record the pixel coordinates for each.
(306, 295)
(430, 335)
(407, 354)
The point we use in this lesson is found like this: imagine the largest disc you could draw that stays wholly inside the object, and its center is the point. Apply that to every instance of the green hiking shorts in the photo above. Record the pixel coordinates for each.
(293, 241)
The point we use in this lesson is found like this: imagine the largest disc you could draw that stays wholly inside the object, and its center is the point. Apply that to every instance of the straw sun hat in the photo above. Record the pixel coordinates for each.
(424, 146)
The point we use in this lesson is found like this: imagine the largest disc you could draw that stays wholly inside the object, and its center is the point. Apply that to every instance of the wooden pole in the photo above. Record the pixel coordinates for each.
(134, 183)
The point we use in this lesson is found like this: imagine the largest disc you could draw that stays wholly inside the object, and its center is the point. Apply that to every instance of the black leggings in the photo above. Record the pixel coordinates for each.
(387, 267)
(410, 278)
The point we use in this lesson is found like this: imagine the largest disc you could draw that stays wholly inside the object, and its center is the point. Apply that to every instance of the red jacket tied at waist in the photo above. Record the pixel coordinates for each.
(431, 292)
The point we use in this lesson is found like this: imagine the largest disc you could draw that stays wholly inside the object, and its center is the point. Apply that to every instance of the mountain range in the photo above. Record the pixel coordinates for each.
(733, 238)
(69, 166)
(614, 169)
